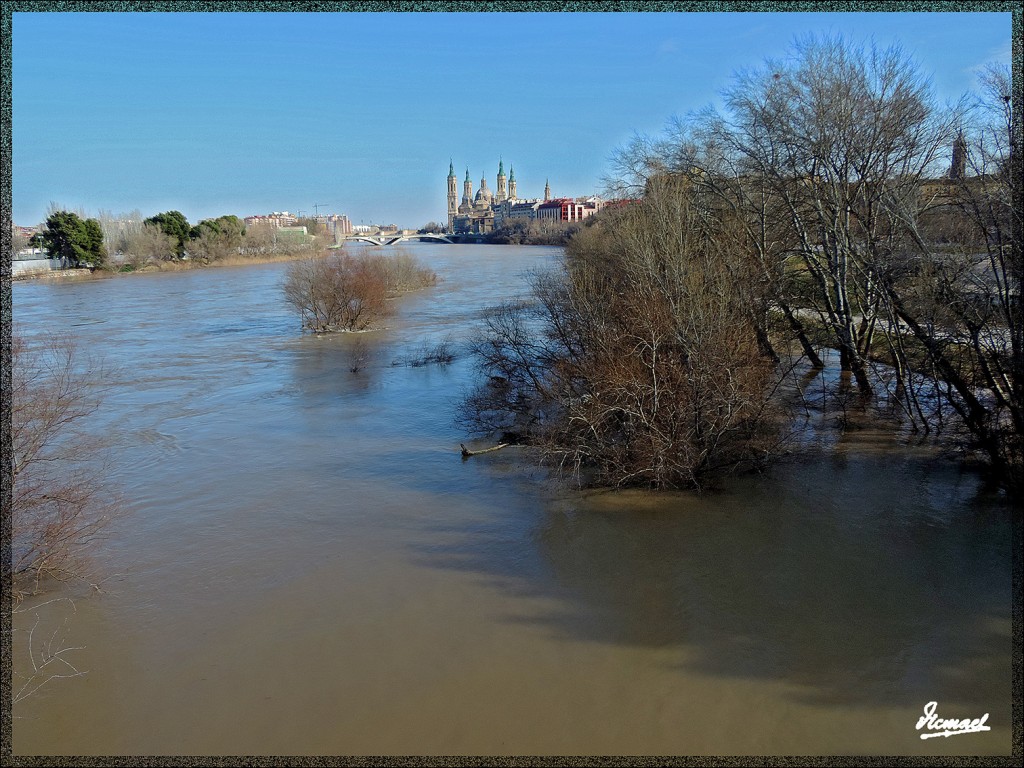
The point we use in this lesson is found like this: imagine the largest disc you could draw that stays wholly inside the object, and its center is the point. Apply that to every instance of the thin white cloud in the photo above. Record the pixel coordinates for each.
(1001, 55)
(668, 46)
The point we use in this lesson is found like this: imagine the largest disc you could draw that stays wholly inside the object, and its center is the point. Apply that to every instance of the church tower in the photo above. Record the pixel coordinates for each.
(959, 164)
(547, 191)
(511, 183)
(453, 196)
(502, 194)
(467, 192)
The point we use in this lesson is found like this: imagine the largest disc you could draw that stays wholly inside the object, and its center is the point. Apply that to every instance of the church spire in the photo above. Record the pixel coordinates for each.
(467, 192)
(453, 196)
(502, 193)
(959, 164)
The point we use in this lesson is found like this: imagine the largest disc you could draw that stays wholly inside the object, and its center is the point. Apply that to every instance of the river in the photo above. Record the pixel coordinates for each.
(307, 565)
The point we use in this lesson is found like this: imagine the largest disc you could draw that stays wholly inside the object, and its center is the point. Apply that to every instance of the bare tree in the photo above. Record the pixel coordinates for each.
(336, 292)
(19, 241)
(838, 139)
(48, 654)
(118, 229)
(339, 292)
(833, 165)
(61, 498)
(958, 302)
(638, 363)
(821, 156)
(259, 240)
(146, 244)
(264, 239)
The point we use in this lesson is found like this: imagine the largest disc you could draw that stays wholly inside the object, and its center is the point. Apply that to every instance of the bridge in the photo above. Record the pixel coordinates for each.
(395, 239)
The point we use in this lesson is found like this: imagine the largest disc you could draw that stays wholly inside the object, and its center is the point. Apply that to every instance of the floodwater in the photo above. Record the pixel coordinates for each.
(309, 567)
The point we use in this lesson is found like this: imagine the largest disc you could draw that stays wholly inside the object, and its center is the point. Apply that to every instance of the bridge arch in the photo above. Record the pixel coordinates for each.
(395, 239)
(424, 236)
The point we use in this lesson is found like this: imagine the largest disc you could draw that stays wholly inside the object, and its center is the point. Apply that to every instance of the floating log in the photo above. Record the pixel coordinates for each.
(466, 453)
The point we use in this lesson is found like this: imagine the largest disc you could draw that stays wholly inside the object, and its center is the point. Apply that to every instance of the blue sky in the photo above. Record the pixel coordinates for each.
(215, 114)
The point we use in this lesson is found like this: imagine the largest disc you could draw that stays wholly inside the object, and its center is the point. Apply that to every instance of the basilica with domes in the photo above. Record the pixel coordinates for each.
(476, 214)
(486, 211)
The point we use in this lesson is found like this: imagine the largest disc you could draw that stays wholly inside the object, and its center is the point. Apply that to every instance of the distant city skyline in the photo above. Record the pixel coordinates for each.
(361, 113)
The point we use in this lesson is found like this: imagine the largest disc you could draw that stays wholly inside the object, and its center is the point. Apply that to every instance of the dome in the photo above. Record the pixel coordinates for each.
(484, 196)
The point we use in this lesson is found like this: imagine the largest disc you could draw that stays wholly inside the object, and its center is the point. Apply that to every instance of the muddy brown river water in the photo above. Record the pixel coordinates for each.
(308, 566)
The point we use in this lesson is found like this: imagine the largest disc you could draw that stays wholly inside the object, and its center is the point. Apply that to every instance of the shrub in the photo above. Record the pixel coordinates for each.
(637, 363)
(401, 272)
(339, 292)
(336, 293)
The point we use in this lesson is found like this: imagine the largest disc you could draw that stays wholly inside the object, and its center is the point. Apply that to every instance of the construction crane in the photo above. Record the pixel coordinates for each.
(318, 206)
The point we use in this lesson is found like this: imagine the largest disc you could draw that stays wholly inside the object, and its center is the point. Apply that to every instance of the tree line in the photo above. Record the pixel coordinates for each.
(130, 242)
(520, 231)
(832, 208)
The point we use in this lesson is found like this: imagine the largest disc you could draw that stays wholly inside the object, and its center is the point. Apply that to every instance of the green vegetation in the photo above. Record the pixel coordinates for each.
(231, 226)
(79, 242)
(315, 229)
(533, 232)
(129, 243)
(215, 239)
(174, 224)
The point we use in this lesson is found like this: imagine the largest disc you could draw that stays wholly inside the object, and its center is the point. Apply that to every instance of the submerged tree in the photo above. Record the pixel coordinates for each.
(836, 141)
(821, 208)
(339, 292)
(639, 362)
(960, 298)
(335, 292)
(61, 498)
(871, 236)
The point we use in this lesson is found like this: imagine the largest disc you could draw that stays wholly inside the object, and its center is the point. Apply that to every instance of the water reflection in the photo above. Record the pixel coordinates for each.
(883, 577)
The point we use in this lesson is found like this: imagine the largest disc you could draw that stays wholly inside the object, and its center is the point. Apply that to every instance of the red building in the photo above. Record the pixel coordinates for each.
(567, 209)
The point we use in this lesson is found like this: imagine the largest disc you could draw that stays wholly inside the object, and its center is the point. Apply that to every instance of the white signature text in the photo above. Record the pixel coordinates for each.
(932, 722)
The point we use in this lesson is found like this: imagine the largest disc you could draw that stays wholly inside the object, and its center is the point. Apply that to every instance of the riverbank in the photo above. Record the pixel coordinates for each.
(183, 265)
(53, 274)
